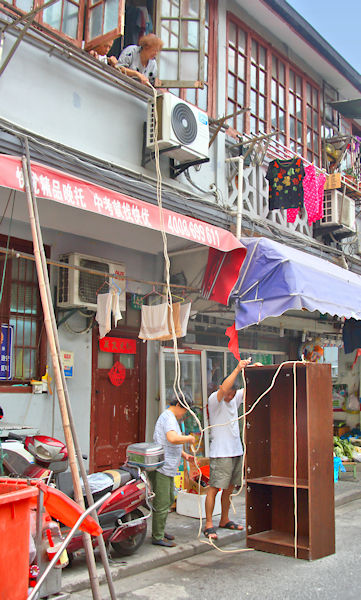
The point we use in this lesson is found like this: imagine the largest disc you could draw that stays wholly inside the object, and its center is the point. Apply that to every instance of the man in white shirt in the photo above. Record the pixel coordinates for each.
(225, 449)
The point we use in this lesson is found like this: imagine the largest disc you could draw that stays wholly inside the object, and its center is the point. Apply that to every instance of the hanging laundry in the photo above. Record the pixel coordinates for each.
(156, 321)
(116, 308)
(233, 345)
(285, 183)
(313, 189)
(106, 304)
(185, 310)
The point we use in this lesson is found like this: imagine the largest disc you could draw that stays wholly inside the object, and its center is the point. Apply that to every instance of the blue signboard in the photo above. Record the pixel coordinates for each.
(6, 352)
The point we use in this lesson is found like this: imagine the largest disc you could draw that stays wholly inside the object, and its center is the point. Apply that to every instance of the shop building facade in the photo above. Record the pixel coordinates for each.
(86, 120)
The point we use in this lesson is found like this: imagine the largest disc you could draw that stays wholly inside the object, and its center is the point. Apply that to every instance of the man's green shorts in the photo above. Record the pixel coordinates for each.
(225, 471)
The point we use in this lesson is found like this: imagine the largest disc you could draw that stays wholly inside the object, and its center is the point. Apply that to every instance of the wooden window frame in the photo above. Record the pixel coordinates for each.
(182, 20)
(13, 384)
(289, 66)
(91, 43)
(79, 35)
(38, 20)
(211, 75)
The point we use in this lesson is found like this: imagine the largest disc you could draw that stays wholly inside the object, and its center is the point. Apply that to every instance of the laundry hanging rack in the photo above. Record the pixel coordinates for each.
(113, 276)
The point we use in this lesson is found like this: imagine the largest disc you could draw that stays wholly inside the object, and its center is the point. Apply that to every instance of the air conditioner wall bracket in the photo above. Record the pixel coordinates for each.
(177, 169)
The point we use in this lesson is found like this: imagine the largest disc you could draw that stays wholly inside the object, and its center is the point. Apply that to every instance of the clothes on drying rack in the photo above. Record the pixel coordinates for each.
(156, 321)
(313, 189)
(285, 183)
(106, 305)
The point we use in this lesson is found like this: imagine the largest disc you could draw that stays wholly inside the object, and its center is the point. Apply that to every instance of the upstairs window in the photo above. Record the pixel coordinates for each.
(204, 97)
(280, 97)
(179, 23)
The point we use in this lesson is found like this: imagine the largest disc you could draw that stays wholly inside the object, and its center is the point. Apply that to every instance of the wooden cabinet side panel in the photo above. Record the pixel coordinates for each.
(320, 425)
(257, 436)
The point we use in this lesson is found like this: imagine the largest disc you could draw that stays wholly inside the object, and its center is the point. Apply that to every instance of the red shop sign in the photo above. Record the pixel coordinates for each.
(79, 193)
(118, 345)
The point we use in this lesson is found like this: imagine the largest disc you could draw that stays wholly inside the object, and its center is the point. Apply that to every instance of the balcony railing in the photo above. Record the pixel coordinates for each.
(255, 190)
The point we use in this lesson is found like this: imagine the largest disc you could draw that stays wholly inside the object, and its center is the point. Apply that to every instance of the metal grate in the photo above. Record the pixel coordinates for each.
(63, 281)
(88, 283)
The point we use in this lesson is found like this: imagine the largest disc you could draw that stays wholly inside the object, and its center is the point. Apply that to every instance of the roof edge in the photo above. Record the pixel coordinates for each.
(311, 35)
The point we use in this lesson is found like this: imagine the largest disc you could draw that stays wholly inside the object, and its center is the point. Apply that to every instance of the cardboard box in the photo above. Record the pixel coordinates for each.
(189, 505)
(333, 182)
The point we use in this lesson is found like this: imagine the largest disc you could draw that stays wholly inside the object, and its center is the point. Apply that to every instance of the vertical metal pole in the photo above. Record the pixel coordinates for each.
(239, 198)
(43, 283)
(101, 544)
(162, 390)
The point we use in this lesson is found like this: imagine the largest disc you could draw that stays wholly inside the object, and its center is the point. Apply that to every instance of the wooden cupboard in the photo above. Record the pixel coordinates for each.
(270, 461)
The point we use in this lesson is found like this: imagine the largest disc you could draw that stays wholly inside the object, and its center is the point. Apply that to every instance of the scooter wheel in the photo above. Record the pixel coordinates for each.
(130, 545)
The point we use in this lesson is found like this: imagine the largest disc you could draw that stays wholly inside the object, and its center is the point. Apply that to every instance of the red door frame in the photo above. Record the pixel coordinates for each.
(126, 333)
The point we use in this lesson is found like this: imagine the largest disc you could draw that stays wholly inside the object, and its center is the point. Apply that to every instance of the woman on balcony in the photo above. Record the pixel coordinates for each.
(140, 61)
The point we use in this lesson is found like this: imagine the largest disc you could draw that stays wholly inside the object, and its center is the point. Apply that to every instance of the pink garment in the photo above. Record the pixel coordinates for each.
(321, 180)
(313, 187)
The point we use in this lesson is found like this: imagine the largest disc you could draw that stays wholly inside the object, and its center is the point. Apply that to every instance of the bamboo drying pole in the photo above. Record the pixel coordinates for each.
(101, 544)
(43, 282)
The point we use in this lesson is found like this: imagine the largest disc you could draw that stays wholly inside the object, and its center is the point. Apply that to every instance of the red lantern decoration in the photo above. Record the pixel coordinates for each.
(117, 373)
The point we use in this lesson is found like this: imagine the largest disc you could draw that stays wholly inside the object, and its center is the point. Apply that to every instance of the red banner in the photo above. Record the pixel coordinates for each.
(118, 345)
(64, 188)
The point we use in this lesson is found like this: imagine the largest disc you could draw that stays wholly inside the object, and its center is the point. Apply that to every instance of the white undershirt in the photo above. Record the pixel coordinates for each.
(225, 439)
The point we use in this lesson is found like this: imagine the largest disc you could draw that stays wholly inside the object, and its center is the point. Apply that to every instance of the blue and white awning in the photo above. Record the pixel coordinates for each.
(275, 278)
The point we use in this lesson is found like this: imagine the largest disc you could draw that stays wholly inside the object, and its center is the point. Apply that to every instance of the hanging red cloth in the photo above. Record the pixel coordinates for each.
(358, 353)
(233, 347)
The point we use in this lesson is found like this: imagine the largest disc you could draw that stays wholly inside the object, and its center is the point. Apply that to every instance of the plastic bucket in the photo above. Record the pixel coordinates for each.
(15, 501)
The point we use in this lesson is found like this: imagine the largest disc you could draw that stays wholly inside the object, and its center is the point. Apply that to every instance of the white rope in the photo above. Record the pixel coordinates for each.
(295, 455)
(177, 371)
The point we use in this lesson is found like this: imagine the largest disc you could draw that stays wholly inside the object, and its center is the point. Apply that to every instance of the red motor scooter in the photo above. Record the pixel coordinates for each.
(120, 516)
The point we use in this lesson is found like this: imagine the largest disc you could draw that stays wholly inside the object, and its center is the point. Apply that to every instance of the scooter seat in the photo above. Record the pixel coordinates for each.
(119, 476)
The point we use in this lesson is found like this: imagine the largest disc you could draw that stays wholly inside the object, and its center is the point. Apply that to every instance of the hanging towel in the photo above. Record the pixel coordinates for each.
(157, 321)
(115, 308)
(154, 322)
(103, 315)
(176, 320)
(185, 310)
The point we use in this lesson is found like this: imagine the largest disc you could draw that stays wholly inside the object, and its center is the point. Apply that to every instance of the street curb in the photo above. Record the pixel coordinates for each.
(347, 497)
(81, 581)
(170, 556)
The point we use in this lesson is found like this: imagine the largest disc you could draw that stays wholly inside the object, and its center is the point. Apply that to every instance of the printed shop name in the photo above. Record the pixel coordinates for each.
(68, 192)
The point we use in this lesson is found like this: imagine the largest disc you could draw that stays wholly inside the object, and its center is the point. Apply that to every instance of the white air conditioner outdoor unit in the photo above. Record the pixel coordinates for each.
(179, 123)
(338, 211)
(79, 288)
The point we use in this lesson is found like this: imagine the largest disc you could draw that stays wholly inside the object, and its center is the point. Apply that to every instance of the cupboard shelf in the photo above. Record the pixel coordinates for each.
(278, 481)
(282, 538)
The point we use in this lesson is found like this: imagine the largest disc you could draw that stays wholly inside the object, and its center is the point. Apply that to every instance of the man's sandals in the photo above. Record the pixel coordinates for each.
(232, 525)
(211, 533)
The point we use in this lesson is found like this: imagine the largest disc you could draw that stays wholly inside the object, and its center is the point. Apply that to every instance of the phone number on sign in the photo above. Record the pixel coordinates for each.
(200, 233)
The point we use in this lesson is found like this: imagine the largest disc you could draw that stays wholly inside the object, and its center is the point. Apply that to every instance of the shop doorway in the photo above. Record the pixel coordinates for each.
(118, 397)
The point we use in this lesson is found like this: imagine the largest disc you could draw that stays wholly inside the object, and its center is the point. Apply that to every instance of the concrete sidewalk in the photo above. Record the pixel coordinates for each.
(185, 530)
